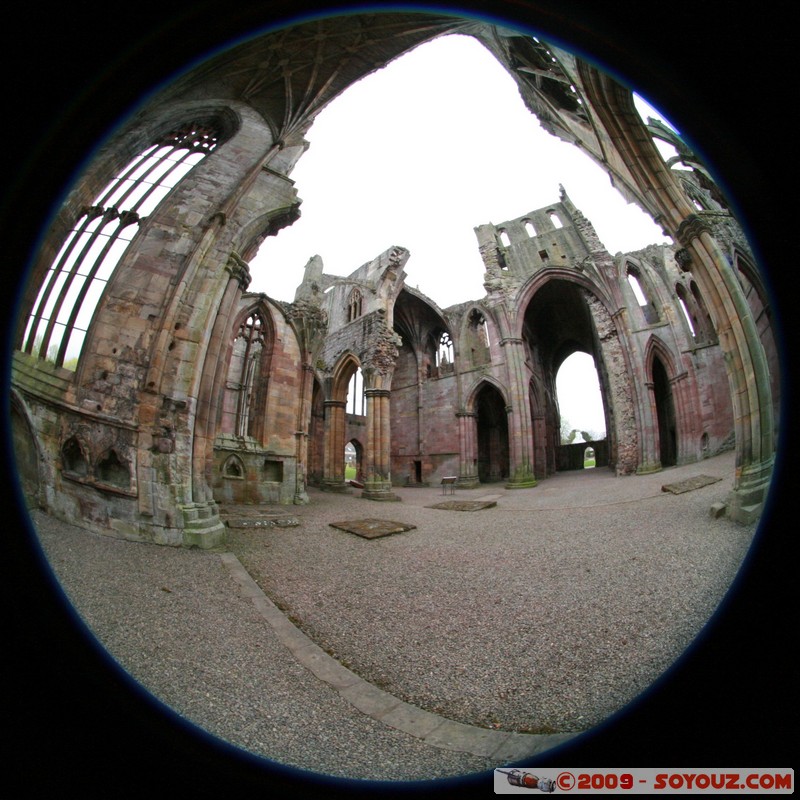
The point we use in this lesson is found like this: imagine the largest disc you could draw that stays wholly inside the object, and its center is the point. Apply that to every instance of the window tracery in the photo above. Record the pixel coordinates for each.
(354, 304)
(76, 279)
(246, 363)
(444, 352)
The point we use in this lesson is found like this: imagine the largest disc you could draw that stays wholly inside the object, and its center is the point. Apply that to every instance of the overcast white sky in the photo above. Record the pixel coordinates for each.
(417, 155)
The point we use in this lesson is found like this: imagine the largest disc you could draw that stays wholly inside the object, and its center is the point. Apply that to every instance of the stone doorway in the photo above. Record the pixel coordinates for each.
(492, 436)
(665, 411)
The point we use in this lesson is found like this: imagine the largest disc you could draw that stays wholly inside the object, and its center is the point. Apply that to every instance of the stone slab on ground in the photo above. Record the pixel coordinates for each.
(263, 522)
(244, 517)
(688, 485)
(372, 528)
(464, 505)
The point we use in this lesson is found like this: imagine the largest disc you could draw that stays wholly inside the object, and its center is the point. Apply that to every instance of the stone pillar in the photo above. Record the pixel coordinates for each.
(377, 469)
(468, 451)
(748, 369)
(539, 446)
(333, 468)
(650, 442)
(302, 436)
(520, 433)
(202, 525)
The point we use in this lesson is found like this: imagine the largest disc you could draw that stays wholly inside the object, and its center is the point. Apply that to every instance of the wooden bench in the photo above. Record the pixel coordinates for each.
(449, 484)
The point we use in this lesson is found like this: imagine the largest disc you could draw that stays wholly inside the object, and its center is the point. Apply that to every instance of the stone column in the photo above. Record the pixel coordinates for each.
(468, 453)
(748, 370)
(302, 436)
(520, 433)
(377, 470)
(539, 445)
(650, 442)
(202, 525)
(333, 468)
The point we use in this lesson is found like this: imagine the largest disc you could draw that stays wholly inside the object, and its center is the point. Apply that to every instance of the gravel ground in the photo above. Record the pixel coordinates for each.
(546, 613)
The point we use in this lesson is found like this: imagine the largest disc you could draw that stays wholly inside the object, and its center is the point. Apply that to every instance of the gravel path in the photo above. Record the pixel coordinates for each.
(543, 614)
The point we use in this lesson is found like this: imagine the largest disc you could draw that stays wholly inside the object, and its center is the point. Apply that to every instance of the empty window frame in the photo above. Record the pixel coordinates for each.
(444, 350)
(356, 399)
(248, 348)
(354, 305)
(643, 294)
(77, 277)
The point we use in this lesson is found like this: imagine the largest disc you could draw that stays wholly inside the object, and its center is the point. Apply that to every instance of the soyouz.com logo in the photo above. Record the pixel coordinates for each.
(644, 781)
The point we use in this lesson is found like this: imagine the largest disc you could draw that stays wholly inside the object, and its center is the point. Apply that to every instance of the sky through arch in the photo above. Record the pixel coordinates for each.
(419, 153)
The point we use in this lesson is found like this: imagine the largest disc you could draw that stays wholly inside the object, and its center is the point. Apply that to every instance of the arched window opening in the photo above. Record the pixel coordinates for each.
(694, 311)
(354, 305)
(679, 290)
(245, 371)
(705, 329)
(444, 352)
(478, 328)
(71, 291)
(478, 338)
(356, 399)
(633, 281)
(504, 238)
(580, 400)
(555, 219)
(529, 228)
(642, 296)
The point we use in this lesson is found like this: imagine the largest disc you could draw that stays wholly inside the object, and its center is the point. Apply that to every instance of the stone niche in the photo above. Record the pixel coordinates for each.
(245, 476)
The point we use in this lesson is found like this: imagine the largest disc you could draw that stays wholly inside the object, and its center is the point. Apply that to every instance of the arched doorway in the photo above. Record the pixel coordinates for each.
(492, 435)
(665, 412)
(353, 457)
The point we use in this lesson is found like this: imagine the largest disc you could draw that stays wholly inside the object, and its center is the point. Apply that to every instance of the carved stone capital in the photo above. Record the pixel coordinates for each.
(692, 228)
(239, 270)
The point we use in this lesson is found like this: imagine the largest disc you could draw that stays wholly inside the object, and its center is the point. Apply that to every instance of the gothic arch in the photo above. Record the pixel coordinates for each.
(650, 310)
(539, 280)
(673, 409)
(490, 408)
(342, 372)
(476, 327)
(249, 358)
(478, 383)
(27, 450)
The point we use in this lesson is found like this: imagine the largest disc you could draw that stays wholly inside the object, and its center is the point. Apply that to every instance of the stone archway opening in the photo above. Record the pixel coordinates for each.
(582, 427)
(353, 461)
(561, 339)
(493, 451)
(665, 412)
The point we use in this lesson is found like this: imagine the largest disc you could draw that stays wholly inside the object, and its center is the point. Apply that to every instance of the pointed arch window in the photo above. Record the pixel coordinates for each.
(694, 311)
(643, 295)
(74, 284)
(248, 348)
(356, 399)
(478, 338)
(444, 352)
(354, 304)
(555, 219)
